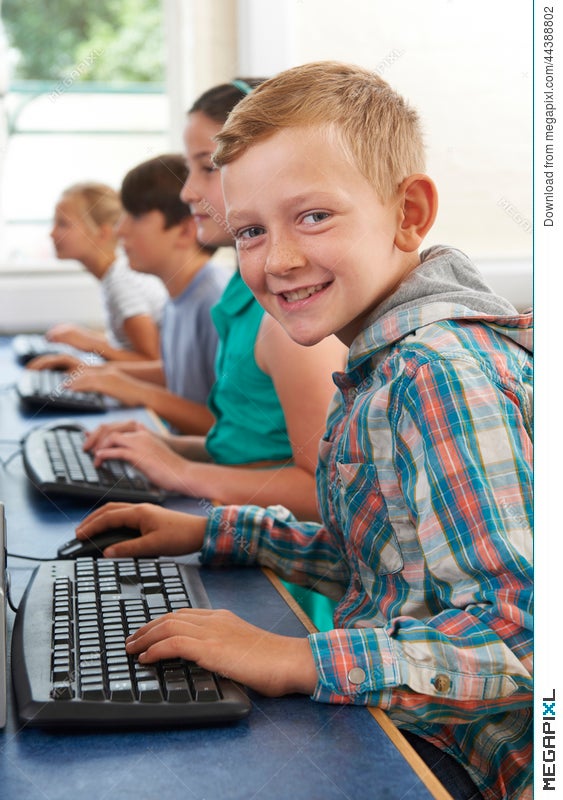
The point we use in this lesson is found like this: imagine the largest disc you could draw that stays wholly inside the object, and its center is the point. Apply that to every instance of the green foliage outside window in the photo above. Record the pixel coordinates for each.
(107, 41)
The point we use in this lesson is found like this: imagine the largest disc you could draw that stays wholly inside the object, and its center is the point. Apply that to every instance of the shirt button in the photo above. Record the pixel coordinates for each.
(356, 675)
(442, 683)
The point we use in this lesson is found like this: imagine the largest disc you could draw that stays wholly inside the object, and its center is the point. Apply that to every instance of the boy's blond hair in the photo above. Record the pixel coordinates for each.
(378, 130)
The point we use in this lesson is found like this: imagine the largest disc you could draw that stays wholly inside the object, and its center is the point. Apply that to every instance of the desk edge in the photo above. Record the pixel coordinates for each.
(425, 774)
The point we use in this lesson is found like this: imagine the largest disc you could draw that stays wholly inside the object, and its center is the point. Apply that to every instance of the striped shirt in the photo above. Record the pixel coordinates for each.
(425, 487)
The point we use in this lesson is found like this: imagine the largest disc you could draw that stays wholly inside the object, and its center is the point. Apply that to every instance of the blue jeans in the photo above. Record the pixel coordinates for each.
(451, 775)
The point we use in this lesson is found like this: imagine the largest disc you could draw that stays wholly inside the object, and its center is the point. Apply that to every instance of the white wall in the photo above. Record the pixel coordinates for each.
(34, 301)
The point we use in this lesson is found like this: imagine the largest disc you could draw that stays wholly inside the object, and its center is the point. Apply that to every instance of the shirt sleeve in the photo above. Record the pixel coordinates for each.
(135, 301)
(301, 552)
(129, 294)
(463, 457)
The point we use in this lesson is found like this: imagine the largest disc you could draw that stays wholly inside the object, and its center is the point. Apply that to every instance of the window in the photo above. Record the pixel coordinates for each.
(85, 101)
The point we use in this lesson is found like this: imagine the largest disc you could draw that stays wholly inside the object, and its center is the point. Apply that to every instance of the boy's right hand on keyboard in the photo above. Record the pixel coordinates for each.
(163, 532)
(221, 642)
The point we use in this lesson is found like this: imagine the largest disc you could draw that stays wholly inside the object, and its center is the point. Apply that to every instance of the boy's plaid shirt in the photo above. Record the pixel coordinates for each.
(425, 487)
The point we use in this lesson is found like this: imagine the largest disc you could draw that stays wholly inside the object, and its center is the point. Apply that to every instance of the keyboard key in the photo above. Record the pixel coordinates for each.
(117, 673)
(149, 691)
(156, 600)
(62, 690)
(121, 690)
(62, 673)
(91, 674)
(205, 689)
(176, 686)
(94, 691)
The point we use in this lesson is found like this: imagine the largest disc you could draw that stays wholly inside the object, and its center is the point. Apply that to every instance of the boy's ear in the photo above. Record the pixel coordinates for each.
(418, 203)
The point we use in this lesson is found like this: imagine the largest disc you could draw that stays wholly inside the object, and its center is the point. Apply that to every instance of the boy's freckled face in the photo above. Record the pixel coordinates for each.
(315, 243)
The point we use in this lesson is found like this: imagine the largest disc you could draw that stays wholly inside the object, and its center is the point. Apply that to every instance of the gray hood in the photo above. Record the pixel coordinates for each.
(445, 275)
(444, 286)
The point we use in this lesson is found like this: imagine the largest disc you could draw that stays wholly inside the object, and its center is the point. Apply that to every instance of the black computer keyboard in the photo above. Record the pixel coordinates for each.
(56, 463)
(48, 389)
(69, 664)
(31, 345)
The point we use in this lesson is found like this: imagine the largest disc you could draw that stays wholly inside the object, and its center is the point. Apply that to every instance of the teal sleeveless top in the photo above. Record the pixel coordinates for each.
(250, 425)
(249, 421)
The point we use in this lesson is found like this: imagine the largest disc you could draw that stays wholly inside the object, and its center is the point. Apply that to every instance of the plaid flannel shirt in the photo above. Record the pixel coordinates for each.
(425, 488)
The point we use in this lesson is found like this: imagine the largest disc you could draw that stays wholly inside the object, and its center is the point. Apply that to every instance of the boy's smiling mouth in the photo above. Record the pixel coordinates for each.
(303, 293)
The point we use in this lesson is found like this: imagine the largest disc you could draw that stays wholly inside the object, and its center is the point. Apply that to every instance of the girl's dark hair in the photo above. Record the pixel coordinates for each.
(219, 101)
(155, 185)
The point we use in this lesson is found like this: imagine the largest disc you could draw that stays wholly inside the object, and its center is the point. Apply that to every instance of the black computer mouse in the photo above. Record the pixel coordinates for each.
(93, 548)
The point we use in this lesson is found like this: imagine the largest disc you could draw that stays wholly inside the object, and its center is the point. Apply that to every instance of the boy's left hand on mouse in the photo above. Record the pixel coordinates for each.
(220, 641)
(163, 532)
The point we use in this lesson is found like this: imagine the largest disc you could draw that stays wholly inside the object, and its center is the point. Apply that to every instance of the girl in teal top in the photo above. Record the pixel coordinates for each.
(250, 423)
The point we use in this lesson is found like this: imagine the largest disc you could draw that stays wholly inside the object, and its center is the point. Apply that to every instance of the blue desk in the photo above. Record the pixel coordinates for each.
(287, 748)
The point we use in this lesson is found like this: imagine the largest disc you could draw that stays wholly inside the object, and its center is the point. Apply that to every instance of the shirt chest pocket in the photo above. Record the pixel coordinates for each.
(369, 534)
